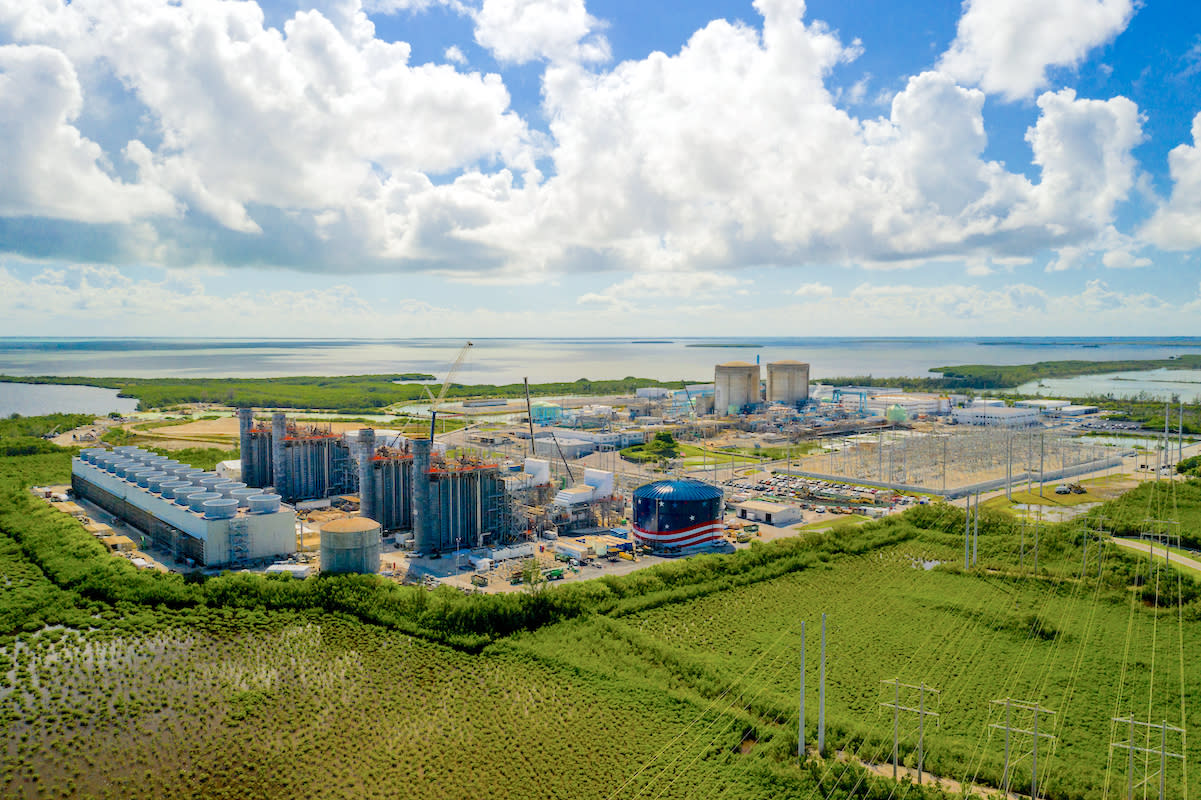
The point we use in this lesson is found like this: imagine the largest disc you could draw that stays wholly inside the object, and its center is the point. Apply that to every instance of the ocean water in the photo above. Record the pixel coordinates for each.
(544, 360)
(501, 361)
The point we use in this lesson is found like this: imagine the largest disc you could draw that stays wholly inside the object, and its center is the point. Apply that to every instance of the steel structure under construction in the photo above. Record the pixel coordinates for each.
(385, 483)
(457, 504)
(302, 462)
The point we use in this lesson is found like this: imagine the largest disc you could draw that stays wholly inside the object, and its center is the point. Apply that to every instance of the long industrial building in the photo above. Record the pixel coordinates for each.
(192, 513)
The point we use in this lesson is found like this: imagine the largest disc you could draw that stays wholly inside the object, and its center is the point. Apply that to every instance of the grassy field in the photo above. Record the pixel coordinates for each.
(347, 394)
(679, 681)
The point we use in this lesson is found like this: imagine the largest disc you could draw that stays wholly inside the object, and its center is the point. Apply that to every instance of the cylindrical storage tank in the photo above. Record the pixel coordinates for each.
(735, 386)
(209, 479)
(156, 480)
(263, 503)
(117, 464)
(183, 494)
(228, 488)
(146, 476)
(126, 449)
(243, 496)
(167, 489)
(788, 382)
(221, 508)
(170, 465)
(193, 474)
(350, 544)
(676, 517)
(196, 501)
(183, 471)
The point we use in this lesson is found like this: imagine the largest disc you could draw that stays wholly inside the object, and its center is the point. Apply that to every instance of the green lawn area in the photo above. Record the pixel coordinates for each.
(834, 522)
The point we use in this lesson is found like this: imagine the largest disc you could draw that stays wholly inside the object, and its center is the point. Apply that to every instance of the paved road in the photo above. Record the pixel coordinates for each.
(1146, 547)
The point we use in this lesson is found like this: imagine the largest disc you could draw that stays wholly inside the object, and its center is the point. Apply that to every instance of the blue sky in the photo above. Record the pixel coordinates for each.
(556, 167)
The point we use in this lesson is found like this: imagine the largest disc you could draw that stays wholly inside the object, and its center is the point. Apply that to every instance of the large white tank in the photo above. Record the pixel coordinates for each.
(735, 384)
(787, 382)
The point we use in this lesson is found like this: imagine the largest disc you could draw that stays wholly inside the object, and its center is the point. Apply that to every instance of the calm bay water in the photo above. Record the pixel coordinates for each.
(30, 400)
(542, 360)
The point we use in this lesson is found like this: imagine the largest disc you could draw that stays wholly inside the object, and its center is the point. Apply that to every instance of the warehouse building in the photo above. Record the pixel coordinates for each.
(778, 514)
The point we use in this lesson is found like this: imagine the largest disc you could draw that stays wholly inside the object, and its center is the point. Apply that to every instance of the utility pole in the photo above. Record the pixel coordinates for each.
(821, 697)
(967, 532)
(800, 739)
(1022, 551)
(1033, 710)
(1042, 453)
(1088, 534)
(921, 712)
(976, 531)
(1161, 751)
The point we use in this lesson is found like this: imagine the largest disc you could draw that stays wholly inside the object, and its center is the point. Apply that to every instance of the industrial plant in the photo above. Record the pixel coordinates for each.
(574, 488)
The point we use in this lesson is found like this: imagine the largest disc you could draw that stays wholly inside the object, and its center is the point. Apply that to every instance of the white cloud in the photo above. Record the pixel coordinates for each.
(453, 53)
(815, 289)
(49, 169)
(1176, 224)
(321, 146)
(518, 31)
(1006, 46)
(1115, 250)
(636, 289)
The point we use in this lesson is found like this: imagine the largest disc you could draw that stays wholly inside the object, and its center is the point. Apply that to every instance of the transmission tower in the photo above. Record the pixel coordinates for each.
(1162, 751)
(1032, 712)
(921, 689)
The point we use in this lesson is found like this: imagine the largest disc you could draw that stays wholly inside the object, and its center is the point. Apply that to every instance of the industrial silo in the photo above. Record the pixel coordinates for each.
(788, 382)
(735, 386)
(350, 544)
(677, 517)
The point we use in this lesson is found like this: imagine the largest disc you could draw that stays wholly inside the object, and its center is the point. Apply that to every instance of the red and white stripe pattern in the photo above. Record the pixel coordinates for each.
(701, 533)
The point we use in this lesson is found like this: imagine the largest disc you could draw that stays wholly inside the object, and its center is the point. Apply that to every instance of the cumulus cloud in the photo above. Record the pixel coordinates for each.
(1006, 46)
(815, 289)
(519, 31)
(1176, 224)
(318, 145)
(49, 168)
(637, 289)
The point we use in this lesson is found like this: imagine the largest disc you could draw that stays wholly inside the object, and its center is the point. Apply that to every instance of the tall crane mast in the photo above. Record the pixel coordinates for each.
(450, 376)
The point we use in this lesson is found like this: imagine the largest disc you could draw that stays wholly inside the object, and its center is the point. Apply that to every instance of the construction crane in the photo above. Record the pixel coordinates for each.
(450, 376)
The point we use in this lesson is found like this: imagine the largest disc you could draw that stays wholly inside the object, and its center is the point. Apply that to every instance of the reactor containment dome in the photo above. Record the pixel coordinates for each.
(678, 517)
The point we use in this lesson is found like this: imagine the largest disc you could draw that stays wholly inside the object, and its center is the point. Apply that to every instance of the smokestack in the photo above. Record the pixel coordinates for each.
(421, 495)
(245, 420)
(279, 429)
(367, 474)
